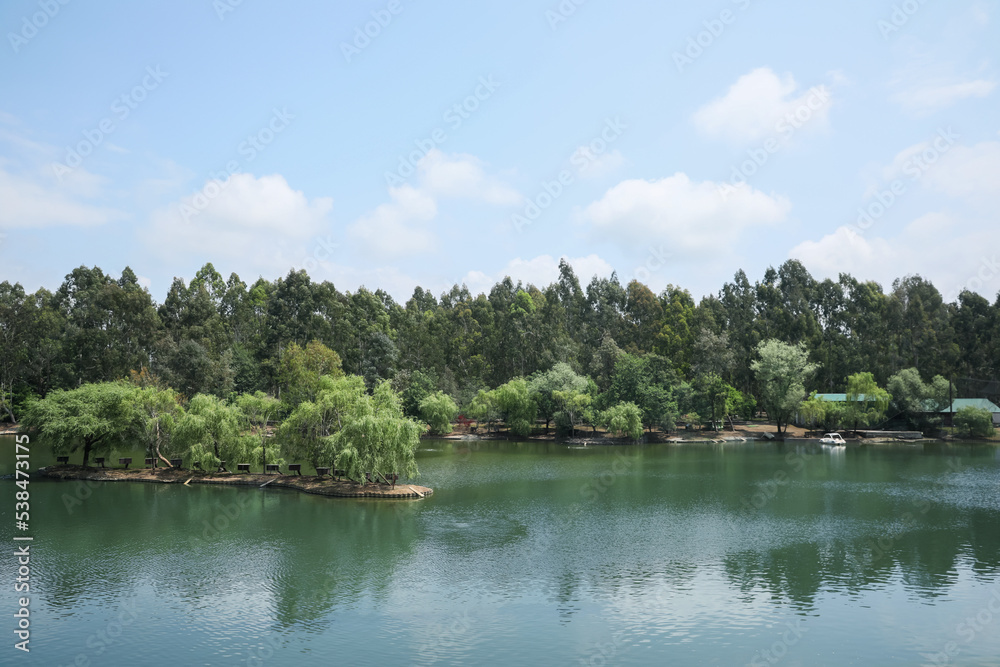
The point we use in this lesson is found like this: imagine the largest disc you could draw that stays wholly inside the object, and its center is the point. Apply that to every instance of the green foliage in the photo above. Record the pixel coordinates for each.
(920, 403)
(867, 403)
(308, 432)
(98, 417)
(413, 387)
(623, 420)
(300, 370)
(712, 398)
(543, 386)
(377, 438)
(975, 422)
(211, 432)
(160, 412)
(515, 404)
(216, 336)
(782, 371)
(484, 408)
(438, 409)
(742, 405)
(572, 403)
(256, 411)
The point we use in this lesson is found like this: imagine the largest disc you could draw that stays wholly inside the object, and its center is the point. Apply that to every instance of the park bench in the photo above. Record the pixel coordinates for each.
(243, 467)
(176, 463)
(222, 466)
(125, 462)
(271, 467)
(338, 473)
(296, 468)
(151, 463)
(62, 460)
(322, 471)
(99, 461)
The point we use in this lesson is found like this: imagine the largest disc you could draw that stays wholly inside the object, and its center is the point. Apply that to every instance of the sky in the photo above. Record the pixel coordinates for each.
(397, 143)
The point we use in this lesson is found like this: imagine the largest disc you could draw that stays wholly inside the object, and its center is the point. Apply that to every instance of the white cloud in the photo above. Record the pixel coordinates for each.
(932, 95)
(954, 247)
(685, 215)
(756, 106)
(463, 176)
(937, 246)
(390, 230)
(30, 202)
(969, 173)
(932, 77)
(261, 222)
(403, 226)
(596, 165)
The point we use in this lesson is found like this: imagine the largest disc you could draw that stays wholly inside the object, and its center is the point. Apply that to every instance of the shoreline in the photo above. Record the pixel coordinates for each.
(313, 485)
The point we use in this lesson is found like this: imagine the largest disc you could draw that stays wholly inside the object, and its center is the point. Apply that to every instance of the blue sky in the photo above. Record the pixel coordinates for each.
(397, 143)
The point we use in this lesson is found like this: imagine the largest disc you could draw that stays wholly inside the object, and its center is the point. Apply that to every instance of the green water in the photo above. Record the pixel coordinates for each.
(531, 553)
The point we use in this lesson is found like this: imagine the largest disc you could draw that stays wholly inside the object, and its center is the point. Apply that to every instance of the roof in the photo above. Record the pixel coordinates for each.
(982, 403)
(957, 404)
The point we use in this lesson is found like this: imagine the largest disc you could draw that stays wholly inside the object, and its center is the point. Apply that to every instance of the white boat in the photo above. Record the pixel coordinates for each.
(833, 439)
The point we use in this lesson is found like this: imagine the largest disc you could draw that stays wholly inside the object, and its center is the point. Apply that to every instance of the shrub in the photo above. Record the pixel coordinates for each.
(974, 422)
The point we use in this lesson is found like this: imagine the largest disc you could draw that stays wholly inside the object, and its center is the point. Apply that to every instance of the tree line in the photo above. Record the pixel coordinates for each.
(578, 352)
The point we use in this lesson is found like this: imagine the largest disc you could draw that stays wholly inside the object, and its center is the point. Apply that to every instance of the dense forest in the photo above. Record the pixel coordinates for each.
(223, 337)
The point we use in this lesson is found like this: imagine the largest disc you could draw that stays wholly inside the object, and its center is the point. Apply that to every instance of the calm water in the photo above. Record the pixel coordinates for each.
(534, 554)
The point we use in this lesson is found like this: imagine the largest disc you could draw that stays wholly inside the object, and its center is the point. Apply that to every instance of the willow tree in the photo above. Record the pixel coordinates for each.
(97, 417)
(211, 432)
(309, 431)
(438, 409)
(256, 411)
(160, 413)
(624, 420)
(867, 403)
(514, 401)
(378, 438)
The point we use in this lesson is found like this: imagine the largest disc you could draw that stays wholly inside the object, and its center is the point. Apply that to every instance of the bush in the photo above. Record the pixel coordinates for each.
(438, 410)
(624, 420)
(974, 422)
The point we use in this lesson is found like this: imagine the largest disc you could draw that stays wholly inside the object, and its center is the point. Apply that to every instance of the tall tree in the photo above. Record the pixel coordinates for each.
(782, 371)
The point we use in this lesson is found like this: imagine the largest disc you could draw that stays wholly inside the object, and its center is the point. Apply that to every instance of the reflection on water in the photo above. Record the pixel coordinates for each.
(533, 553)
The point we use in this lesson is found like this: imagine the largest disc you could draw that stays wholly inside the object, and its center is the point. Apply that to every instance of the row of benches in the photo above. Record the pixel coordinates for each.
(240, 467)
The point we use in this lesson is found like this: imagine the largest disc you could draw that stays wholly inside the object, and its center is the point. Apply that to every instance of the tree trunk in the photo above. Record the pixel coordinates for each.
(86, 452)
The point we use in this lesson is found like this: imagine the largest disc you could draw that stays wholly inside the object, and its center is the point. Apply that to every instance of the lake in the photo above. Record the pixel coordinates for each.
(531, 553)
